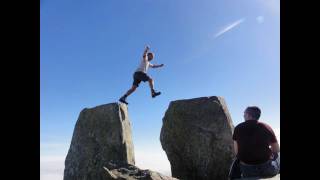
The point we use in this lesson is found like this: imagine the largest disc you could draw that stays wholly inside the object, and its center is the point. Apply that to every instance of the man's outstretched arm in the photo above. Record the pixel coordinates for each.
(145, 52)
(156, 66)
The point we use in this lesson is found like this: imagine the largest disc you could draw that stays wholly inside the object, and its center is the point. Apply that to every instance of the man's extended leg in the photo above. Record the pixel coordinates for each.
(131, 90)
(273, 167)
(267, 169)
(153, 92)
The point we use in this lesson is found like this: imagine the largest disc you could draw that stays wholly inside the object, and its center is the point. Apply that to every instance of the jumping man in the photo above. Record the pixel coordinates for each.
(141, 75)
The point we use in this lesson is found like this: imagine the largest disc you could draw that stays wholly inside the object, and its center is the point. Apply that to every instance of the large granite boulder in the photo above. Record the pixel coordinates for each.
(102, 134)
(197, 138)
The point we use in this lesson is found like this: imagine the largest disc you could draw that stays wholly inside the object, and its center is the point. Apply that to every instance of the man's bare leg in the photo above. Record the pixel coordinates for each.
(151, 84)
(153, 92)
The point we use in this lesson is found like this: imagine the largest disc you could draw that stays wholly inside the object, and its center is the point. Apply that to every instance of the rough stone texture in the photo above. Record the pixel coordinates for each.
(123, 171)
(197, 138)
(101, 134)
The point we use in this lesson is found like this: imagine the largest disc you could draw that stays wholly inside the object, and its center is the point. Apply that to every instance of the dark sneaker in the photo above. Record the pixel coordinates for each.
(123, 100)
(154, 94)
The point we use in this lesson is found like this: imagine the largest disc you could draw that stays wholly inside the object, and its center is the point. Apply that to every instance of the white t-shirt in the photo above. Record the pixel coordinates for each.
(144, 65)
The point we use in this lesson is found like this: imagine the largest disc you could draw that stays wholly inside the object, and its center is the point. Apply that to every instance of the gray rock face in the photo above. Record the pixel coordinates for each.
(197, 138)
(124, 171)
(101, 134)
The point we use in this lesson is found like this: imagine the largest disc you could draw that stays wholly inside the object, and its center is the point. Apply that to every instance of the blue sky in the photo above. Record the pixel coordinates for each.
(90, 49)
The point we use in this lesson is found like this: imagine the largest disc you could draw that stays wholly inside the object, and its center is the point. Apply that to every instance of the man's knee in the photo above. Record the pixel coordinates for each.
(150, 80)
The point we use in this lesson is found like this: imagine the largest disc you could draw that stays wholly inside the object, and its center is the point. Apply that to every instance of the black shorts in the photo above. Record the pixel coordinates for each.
(138, 77)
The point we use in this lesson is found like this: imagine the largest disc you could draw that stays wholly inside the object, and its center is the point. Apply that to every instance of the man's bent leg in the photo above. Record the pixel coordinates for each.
(151, 84)
(268, 169)
(273, 167)
(153, 92)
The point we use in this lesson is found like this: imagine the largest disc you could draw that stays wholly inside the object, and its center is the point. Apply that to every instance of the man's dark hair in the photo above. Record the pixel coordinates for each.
(150, 53)
(254, 111)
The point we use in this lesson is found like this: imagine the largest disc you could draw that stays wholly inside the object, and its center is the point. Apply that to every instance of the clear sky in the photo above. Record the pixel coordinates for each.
(90, 49)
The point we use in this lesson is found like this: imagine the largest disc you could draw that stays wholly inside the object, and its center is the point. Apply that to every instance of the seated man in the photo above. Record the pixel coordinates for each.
(256, 147)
